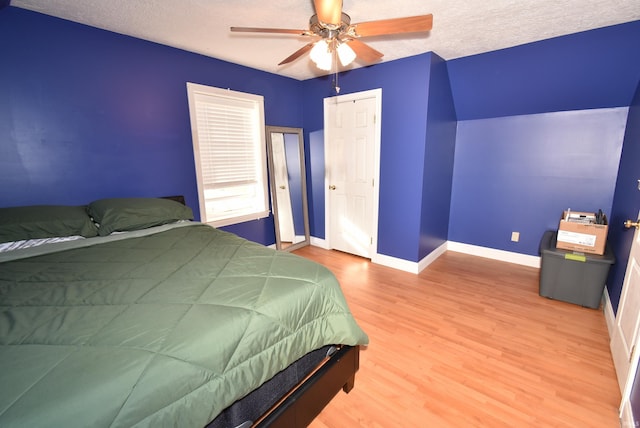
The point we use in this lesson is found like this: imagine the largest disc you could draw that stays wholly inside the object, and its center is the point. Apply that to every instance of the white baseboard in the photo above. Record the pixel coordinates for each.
(381, 259)
(532, 261)
(395, 263)
(432, 256)
(492, 253)
(407, 266)
(319, 242)
(609, 315)
(417, 267)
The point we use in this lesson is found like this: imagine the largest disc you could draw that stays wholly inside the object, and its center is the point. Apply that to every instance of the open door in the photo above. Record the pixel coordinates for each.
(625, 335)
(352, 159)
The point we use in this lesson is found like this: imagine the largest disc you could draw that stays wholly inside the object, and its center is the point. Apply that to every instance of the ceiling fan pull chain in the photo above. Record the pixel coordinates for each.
(336, 88)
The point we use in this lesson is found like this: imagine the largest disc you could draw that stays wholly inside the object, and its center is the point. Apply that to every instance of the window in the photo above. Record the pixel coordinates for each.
(230, 155)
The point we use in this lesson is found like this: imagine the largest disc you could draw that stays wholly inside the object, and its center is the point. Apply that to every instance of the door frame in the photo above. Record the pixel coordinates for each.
(373, 93)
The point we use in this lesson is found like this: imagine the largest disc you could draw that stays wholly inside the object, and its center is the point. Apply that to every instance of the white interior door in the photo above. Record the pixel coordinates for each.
(352, 159)
(625, 334)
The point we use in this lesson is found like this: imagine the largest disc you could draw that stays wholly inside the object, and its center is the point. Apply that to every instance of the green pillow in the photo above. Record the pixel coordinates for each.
(125, 214)
(44, 221)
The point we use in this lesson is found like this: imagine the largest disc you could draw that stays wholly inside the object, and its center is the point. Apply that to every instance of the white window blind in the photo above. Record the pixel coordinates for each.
(229, 153)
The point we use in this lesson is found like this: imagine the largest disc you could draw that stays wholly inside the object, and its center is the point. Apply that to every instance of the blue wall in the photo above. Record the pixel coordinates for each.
(540, 130)
(404, 109)
(519, 173)
(626, 200)
(86, 114)
(437, 177)
(592, 69)
(408, 145)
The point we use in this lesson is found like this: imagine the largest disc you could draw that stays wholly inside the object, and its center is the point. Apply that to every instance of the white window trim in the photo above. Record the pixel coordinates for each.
(261, 209)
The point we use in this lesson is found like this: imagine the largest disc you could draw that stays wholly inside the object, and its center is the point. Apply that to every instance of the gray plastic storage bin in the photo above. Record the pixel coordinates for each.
(570, 276)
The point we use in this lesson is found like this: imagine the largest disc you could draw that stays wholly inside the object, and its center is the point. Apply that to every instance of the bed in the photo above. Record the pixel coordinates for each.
(125, 312)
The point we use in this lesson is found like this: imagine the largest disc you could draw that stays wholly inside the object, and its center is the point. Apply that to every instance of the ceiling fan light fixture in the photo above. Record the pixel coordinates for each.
(346, 54)
(334, 38)
(321, 55)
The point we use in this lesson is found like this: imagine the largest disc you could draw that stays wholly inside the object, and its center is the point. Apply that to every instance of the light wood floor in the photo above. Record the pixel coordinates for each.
(469, 343)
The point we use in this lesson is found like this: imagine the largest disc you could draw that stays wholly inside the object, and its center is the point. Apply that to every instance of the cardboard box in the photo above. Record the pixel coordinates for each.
(579, 231)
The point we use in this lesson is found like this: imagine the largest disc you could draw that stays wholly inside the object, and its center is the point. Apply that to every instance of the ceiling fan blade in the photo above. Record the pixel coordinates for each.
(297, 54)
(270, 30)
(364, 52)
(410, 24)
(329, 11)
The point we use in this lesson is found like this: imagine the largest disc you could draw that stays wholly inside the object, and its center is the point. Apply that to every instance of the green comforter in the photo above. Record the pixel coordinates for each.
(166, 328)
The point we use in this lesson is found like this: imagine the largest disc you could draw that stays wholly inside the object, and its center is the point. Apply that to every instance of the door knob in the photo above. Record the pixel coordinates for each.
(629, 224)
(332, 187)
(282, 187)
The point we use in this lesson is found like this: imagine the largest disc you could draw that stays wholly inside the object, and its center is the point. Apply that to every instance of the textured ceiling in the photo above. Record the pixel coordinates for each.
(460, 27)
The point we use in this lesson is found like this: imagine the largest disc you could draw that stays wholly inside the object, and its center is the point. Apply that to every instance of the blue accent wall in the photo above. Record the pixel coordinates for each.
(519, 173)
(626, 201)
(404, 86)
(87, 113)
(541, 129)
(592, 69)
(413, 212)
(437, 177)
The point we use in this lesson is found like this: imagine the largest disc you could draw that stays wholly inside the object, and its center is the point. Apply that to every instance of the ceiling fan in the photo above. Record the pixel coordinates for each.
(335, 37)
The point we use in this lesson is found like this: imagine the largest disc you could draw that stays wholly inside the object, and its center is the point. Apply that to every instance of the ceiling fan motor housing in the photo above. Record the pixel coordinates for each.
(329, 31)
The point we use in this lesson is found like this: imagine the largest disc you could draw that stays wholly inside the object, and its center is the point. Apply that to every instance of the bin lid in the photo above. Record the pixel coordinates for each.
(548, 248)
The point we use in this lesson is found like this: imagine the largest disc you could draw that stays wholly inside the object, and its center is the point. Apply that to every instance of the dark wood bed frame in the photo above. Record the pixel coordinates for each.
(307, 399)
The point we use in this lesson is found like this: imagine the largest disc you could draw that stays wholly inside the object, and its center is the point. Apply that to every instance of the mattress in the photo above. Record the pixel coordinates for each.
(165, 326)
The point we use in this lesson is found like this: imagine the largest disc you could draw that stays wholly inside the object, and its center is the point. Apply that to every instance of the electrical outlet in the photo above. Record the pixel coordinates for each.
(515, 236)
